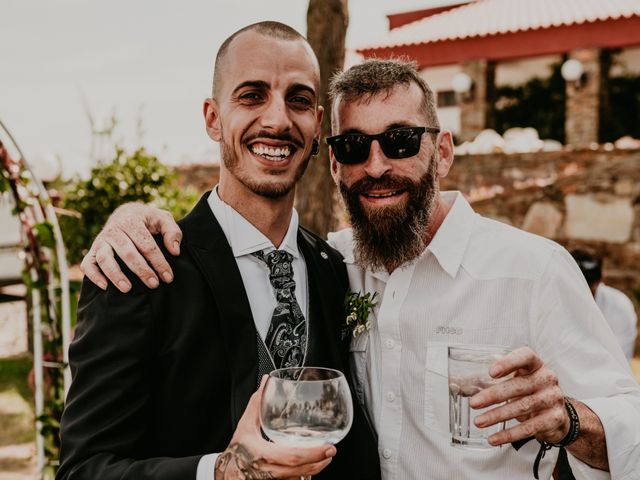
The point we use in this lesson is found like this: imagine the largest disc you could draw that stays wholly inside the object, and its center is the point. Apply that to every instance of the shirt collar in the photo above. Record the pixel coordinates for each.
(450, 242)
(243, 237)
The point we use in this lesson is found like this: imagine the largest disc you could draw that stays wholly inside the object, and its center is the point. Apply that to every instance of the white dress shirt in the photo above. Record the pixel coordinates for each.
(244, 240)
(619, 311)
(482, 282)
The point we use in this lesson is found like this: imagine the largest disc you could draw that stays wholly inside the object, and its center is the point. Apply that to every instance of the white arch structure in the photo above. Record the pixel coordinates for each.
(38, 209)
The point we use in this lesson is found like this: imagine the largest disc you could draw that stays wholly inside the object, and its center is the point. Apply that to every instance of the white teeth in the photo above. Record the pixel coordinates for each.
(271, 153)
(382, 195)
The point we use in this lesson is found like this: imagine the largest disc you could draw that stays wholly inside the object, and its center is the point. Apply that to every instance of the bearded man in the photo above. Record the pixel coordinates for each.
(445, 275)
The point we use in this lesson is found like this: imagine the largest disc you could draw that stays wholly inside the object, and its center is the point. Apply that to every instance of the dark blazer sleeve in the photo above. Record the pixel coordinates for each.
(104, 425)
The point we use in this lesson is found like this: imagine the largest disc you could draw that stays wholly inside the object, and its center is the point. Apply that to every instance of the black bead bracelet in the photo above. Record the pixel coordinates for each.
(569, 438)
(574, 426)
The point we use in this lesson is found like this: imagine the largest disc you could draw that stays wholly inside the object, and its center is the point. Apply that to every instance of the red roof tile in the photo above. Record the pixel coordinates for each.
(493, 17)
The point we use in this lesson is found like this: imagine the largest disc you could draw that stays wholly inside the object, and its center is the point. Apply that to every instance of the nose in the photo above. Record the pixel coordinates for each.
(377, 164)
(275, 115)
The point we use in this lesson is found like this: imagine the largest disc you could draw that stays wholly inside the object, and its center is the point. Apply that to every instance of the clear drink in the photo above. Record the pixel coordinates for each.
(468, 375)
(306, 436)
(306, 406)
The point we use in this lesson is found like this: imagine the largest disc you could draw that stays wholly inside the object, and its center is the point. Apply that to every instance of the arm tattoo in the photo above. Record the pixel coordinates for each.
(237, 459)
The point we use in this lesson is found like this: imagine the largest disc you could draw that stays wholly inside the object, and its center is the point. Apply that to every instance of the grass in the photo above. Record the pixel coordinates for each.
(16, 401)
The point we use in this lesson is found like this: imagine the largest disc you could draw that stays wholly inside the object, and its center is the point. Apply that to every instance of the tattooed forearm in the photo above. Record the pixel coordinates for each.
(237, 463)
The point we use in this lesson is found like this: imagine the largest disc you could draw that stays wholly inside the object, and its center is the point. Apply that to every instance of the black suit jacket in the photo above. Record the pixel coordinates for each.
(162, 377)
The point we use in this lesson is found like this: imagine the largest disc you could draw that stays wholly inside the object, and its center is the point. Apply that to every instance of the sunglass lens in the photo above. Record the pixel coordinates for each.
(351, 149)
(400, 143)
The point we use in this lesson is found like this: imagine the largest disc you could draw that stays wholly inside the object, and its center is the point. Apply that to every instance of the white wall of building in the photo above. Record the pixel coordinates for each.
(439, 79)
(520, 71)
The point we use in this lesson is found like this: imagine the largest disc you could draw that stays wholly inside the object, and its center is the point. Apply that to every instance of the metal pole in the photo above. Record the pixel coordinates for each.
(38, 373)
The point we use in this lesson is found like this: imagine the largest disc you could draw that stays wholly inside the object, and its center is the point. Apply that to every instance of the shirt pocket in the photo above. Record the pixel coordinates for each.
(358, 350)
(436, 388)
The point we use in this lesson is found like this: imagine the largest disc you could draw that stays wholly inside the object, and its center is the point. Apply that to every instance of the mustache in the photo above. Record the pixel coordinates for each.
(390, 182)
(283, 137)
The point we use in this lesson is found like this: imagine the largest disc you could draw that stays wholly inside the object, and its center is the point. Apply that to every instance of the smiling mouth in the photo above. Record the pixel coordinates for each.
(271, 153)
(388, 194)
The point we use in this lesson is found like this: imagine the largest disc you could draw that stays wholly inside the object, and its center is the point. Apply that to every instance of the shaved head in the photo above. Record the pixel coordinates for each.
(270, 29)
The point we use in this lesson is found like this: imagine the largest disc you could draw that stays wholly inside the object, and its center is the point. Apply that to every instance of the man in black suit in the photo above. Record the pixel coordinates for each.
(161, 377)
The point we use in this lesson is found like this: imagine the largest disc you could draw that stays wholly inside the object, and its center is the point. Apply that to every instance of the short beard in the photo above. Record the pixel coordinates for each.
(386, 238)
(272, 190)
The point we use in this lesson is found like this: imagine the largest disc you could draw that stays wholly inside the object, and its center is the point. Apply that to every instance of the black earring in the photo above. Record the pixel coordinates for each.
(315, 147)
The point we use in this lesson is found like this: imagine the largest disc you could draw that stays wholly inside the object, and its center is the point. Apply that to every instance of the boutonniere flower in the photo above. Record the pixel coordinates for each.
(358, 307)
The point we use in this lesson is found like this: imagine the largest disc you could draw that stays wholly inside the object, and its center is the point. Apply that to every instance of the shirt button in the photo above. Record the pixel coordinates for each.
(386, 453)
(389, 344)
(391, 396)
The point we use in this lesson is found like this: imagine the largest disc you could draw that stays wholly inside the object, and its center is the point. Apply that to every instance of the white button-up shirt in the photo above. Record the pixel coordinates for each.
(482, 282)
(244, 240)
(618, 310)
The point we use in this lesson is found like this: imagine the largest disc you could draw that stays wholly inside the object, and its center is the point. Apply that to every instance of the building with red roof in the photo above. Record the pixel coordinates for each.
(476, 46)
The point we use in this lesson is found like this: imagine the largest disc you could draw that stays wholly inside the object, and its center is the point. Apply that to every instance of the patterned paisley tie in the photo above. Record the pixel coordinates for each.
(287, 335)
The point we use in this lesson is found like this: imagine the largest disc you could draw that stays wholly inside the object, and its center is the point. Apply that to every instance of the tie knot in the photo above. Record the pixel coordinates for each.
(279, 265)
(279, 258)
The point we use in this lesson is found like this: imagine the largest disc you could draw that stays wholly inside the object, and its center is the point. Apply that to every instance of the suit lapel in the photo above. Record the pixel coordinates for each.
(322, 337)
(206, 242)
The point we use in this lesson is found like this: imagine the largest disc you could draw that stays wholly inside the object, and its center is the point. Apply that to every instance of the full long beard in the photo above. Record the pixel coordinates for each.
(271, 189)
(386, 238)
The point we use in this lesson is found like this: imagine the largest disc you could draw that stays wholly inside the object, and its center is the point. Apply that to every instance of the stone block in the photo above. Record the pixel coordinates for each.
(602, 217)
(624, 187)
(543, 218)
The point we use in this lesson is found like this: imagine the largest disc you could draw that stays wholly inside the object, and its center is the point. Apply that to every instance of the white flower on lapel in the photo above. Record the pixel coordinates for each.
(358, 307)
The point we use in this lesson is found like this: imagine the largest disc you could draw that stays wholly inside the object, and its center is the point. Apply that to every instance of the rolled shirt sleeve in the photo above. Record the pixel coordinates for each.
(575, 341)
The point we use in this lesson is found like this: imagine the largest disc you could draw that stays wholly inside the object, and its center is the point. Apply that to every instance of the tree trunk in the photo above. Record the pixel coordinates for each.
(327, 22)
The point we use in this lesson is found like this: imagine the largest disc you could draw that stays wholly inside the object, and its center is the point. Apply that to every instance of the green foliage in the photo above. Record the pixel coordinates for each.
(358, 306)
(127, 178)
(44, 234)
(16, 401)
(13, 376)
(539, 103)
(4, 181)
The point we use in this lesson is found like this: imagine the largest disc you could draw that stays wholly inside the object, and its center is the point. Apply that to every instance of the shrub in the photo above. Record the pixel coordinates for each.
(127, 178)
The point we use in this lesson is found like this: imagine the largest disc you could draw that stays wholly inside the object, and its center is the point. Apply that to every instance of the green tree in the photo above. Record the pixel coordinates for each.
(127, 178)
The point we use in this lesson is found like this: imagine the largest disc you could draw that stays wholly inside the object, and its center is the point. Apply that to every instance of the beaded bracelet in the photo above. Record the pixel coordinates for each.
(574, 426)
(569, 438)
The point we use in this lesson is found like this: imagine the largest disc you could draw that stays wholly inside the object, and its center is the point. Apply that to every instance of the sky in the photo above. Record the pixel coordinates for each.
(148, 62)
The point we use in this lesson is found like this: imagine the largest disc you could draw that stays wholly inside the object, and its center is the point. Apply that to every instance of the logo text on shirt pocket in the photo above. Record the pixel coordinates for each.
(442, 330)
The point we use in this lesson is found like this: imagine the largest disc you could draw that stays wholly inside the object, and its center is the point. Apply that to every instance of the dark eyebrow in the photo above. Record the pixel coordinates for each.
(259, 84)
(301, 87)
(388, 127)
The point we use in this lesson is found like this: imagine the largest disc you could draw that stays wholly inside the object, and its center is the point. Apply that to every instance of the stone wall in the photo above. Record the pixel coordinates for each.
(203, 176)
(586, 198)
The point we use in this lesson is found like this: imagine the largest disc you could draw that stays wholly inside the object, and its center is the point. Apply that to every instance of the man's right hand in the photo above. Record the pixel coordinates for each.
(128, 233)
(249, 456)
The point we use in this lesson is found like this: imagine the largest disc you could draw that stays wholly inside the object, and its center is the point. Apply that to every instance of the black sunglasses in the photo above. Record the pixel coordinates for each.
(402, 142)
